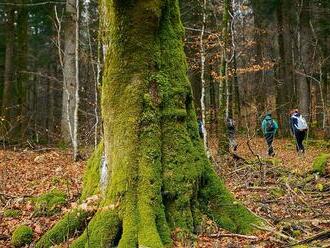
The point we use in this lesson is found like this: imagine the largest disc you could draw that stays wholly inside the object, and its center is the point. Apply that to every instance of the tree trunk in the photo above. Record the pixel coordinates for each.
(22, 79)
(225, 106)
(259, 79)
(8, 74)
(235, 90)
(285, 87)
(159, 177)
(69, 73)
(305, 48)
(203, 83)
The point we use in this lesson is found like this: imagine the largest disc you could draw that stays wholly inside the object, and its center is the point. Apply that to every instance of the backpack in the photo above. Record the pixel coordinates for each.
(301, 123)
(270, 126)
(230, 124)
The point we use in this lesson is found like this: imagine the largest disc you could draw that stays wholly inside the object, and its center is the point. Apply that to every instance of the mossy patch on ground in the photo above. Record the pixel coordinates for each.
(320, 163)
(11, 213)
(22, 236)
(49, 203)
(318, 143)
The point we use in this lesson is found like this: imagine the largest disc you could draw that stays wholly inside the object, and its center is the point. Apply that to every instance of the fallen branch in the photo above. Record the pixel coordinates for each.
(298, 196)
(314, 221)
(280, 234)
(233, 235)
(320, 236)
(14, 196)
(4, 237)
(237, 157)
(255, 187)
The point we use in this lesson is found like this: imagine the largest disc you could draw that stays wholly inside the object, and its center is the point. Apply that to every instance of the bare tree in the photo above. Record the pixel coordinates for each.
(70, 99)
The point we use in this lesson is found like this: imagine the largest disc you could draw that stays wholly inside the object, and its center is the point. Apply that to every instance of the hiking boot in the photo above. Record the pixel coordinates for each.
(301, 153)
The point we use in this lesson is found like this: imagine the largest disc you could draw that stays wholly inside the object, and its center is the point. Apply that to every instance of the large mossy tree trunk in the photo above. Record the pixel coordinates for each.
(159, 177)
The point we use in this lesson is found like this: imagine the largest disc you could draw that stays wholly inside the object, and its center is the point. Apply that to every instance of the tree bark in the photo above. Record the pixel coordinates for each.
(22, 79)
(203, 82)
(69, 73)
(159, 176)
(225, 106)
(8, 73)
(285, 96)
(305, 48)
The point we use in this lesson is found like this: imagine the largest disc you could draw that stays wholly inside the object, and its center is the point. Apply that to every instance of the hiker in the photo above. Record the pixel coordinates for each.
(269, 127)
(299, 127)
(231, 130)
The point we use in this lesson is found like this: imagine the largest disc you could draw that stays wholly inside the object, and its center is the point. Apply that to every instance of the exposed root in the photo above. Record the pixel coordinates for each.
(72, 222)
(220, 205)
(103, 230)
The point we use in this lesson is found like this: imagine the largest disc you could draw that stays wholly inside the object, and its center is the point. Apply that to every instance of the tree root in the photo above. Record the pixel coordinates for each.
(103, 230)
(220, 205)
(71, 223)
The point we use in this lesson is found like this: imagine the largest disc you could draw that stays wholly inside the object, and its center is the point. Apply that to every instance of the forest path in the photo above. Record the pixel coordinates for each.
(283, 192)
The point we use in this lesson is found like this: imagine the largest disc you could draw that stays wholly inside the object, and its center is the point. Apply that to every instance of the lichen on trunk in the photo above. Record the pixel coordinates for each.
(161, 179)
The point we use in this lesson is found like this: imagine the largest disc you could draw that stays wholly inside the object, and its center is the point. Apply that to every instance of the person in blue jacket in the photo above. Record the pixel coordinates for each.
(269, 127)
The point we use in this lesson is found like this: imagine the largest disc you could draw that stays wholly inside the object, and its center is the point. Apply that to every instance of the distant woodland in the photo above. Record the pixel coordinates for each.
(245, 58)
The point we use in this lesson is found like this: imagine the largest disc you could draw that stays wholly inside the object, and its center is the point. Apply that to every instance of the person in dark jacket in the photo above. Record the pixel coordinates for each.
(231, 131)
(269, 127)
(299, 127)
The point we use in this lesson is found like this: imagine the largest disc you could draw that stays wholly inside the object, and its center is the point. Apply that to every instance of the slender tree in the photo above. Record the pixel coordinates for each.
(8, 73)
(285, 94)
(225, 83)
(70, 97)
(304, 49)
(21, 62)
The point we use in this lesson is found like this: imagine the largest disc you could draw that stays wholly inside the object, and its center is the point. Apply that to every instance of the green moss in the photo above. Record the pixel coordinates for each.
(75, 221)
(102, 231)
(277, 192)
(72, 223)
(157, 159)
(272, 161)
(11, 213)
(49, 203)
(221, 206)
(22, 236)
(91, 178)
(320, 163)
(318, 143)
(267, 161)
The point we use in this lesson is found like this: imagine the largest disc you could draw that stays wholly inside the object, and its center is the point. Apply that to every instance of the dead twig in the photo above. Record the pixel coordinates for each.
(232, 235)
(319, 236)
(277, 233)
(237, 157)
(298, 196)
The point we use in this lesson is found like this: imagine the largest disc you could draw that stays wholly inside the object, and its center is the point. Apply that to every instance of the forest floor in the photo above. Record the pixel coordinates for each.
(282, 190)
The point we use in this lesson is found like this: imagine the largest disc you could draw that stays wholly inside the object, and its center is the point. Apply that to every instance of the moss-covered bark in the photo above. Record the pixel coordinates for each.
(160, 177)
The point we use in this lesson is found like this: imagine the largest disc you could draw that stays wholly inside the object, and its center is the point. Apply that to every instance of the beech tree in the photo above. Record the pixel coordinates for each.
(159, 178)
(69, 122)
(8, 73)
